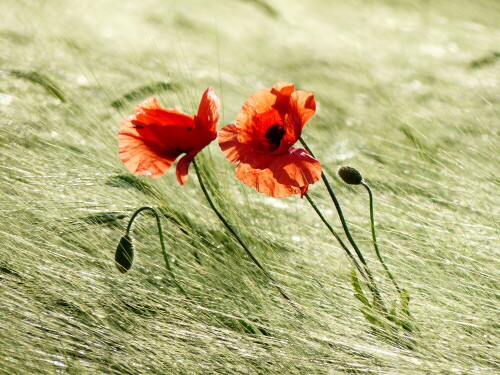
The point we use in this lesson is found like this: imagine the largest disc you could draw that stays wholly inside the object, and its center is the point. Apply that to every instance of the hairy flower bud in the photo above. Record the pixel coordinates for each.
(350, 175)
(124, 255)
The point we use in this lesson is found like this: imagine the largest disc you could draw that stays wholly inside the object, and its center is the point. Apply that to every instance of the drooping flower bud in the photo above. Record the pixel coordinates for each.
(350, 175)
(124, 255)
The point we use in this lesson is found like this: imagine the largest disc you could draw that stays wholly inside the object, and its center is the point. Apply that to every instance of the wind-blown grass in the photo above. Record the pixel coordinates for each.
(402, 96)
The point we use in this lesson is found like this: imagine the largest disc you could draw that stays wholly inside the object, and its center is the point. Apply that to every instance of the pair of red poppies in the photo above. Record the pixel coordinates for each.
(260, 140)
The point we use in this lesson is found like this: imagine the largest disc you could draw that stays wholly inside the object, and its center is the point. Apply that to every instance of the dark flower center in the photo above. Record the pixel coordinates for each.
(275, 133)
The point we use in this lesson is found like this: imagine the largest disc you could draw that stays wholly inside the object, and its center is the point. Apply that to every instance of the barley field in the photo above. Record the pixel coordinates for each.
(408, 93)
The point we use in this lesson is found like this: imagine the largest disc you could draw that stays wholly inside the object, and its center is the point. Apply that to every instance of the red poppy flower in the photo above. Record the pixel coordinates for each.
(261, 141)
(152, 138)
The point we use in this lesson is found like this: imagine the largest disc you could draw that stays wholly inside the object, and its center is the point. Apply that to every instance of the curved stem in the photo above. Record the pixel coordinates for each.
(338, 208)
(237, 237)
(162, 242)
(372, 284)
(374, 237)
(346, 249)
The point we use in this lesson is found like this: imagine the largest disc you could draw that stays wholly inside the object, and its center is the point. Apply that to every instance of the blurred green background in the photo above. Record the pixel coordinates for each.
(407, 92)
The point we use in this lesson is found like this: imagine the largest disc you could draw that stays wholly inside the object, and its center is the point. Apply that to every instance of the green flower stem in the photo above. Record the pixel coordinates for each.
(237, 237)
(372, 284)
(337, 206)
(320, 214)
(162, 242)
(374, 236)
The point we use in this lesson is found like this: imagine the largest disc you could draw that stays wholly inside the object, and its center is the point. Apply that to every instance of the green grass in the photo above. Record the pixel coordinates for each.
(407, 92)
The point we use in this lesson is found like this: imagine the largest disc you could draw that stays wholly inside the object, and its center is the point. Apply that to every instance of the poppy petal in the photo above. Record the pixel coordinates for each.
(282, 175)
(296, 168)
(150, 112)
(261, 140)
(140, 154)
(283, 88)
(259, 102)
(304, 190)
(208, 111)
(230, 145)
(152, 138)
(302, 107)
(148, 103)
(183, 166)
(264, 181)
(274, 102)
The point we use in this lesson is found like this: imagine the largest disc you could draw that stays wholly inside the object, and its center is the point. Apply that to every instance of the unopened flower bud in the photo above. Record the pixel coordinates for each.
(124, 255)
(350, 175)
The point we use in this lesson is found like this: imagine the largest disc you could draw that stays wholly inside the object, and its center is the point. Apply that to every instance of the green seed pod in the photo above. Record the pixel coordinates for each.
(124, 255)
(350, 175)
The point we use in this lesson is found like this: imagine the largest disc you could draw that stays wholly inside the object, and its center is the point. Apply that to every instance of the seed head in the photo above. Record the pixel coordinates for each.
(124, 255)
(350, 175)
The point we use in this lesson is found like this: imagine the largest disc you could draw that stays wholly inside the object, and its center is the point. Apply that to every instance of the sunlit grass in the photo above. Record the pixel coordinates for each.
(407, 93)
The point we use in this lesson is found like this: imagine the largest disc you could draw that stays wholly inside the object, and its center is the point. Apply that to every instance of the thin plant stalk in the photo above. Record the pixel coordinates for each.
(337, 206)
(162, 242)
(374, 237)
(346, 249)
(205, 310)
(237, 237)
(347, 232)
